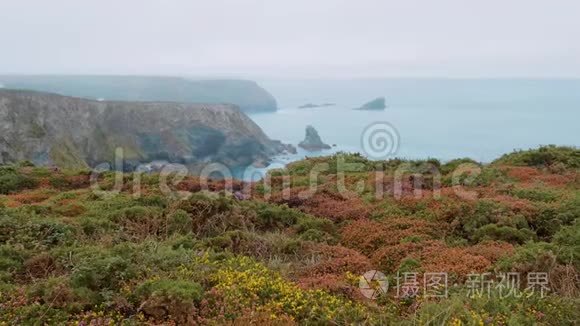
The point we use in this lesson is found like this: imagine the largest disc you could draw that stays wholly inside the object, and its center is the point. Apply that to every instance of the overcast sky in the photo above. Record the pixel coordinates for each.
(292, 38)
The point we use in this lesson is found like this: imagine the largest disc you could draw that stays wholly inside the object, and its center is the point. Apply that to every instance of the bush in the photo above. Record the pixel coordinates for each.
(484, 212)
(542, 195)
(58, 293)
(99, 270)
(317, 236)
(139, 222)
(568, 241)
(271, 217)
(179, 222)
(175, 289)
(452, 165)
(545, 156)
(34, 232)
(495, 309)
(212, 216)
(161, 299)
(11, 181)
(503, 233)
(11, 260)
(531, 257)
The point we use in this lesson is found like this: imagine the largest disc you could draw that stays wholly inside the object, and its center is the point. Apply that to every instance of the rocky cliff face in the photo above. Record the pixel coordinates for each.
(51, 129)
(248, 95)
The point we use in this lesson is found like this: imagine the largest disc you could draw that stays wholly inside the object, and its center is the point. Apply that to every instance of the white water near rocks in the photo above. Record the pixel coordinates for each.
(443, 119)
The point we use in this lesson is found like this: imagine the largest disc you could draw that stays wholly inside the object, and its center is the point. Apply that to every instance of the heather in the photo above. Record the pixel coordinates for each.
(289, 253)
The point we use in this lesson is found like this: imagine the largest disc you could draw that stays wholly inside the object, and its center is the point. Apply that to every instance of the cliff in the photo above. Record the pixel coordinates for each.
(248, 95)
(65, 131)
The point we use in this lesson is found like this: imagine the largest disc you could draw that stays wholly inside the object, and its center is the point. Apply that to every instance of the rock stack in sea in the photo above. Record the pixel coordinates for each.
(312, 141)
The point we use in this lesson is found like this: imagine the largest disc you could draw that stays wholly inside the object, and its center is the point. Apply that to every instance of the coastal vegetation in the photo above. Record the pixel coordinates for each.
(285, 253)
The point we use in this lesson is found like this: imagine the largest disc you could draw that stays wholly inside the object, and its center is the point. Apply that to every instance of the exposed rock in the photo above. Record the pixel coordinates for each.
(376, 104)
(311, 105)
(50, 129)
(312, 141)
(248, 95)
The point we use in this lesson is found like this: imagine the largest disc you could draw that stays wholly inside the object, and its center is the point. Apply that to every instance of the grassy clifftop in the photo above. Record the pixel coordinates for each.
(291, 256)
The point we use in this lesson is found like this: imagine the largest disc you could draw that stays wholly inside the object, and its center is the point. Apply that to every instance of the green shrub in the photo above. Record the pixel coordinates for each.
(152, 257)
(452, 165)
(153, 200)
(531, 257)
(59, 182)
(34, 232)
(169, 298)
(96, 227)
(11, 259)
(270, 217)
(179, 222)
(25, 164)
(99, 270)
(317, 236)
(214, 215)
(409, 265)
(542, 195)
(484, 212)
(344, 162)
(234, 241)
(11, 181)
(34, 314)
(568, 241)
(183, 242)
(57, 292)
(569, 211)
(550, 218)
(495, 309)
(180, 290)
(503, 233)
(307, 222)
(544, 156)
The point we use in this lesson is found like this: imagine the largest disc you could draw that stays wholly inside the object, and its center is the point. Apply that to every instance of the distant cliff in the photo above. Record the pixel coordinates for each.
(248, 95)
(73, 132)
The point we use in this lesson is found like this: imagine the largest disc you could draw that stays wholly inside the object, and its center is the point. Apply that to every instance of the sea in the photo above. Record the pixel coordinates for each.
(425, 118)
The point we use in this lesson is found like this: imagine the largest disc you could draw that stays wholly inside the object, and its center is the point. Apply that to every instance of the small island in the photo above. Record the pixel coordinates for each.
(311, 105)
(376, 104)
(312, 141)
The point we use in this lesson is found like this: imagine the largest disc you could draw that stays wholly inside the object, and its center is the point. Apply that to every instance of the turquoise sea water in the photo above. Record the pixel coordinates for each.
(438, 118)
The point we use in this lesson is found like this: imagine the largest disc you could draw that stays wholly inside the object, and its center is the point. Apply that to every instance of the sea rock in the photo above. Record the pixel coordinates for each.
(69, 132)
(312, 141)
(312, 106)
(376, 104)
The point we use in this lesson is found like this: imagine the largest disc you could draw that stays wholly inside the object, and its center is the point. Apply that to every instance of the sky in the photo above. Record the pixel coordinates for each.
(292, 38)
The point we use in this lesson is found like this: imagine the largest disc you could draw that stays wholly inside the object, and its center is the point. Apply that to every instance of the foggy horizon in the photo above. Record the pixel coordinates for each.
(321, 40)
